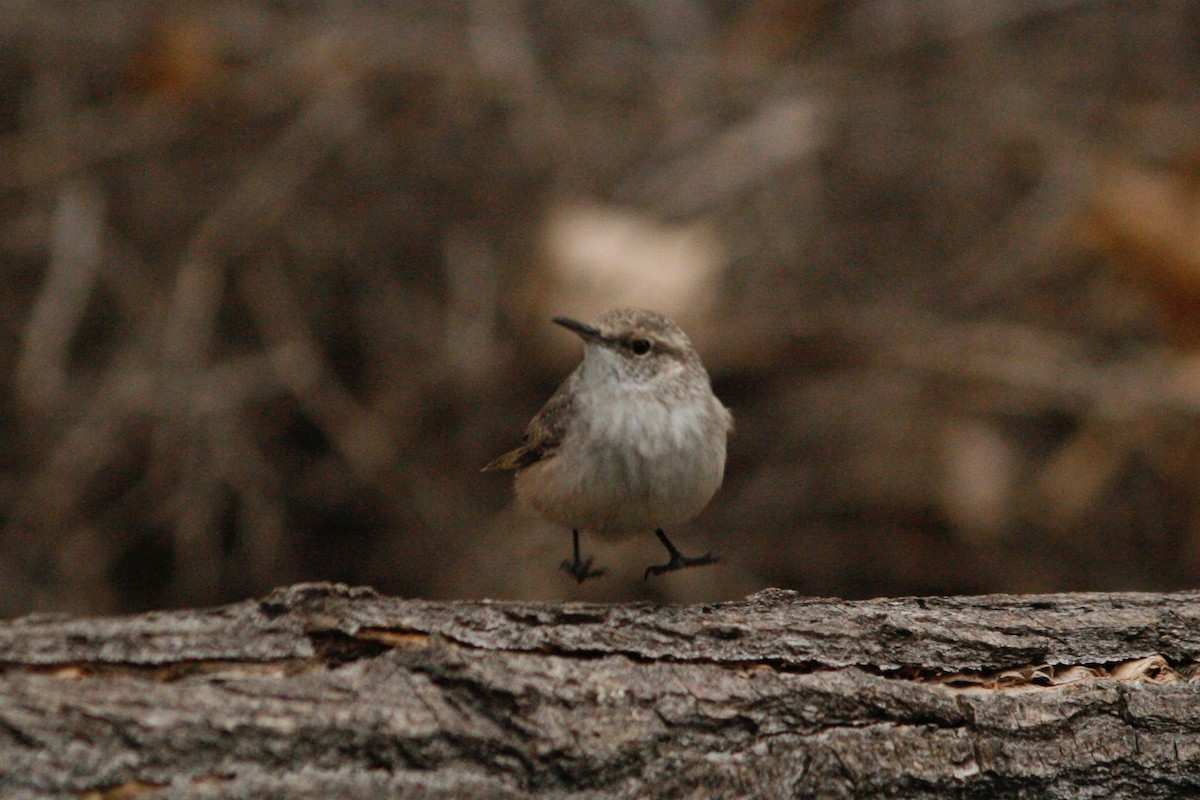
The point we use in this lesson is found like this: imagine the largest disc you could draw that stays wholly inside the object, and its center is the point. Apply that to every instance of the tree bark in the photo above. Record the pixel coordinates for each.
(326, 691)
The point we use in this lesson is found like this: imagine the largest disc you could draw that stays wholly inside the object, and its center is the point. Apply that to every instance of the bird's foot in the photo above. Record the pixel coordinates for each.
(582, 570)
(677, 560)
(680, 561)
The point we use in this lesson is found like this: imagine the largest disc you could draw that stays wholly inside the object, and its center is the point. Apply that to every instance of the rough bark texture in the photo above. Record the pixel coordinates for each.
(328, 691)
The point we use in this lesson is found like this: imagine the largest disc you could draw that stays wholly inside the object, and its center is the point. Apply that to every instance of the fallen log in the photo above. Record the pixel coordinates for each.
(328, 691)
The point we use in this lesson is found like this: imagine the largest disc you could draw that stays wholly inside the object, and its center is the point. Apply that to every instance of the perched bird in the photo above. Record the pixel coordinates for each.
(633, 440)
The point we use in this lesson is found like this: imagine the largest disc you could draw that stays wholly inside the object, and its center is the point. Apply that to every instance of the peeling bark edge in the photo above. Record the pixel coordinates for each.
(775, 627)
(326, 690)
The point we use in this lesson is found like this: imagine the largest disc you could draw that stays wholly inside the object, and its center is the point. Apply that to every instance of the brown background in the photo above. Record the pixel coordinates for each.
(277, 279)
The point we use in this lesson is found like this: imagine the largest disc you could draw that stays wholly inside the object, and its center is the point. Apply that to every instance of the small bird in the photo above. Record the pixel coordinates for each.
(633, 440)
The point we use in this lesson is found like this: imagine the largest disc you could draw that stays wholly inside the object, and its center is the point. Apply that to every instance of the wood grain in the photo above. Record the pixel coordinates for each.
(328, 691)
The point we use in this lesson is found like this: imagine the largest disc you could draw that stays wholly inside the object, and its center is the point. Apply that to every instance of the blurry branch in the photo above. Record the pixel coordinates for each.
(75, 257)
(472, 306)
(891, 27)
(1018, 250)
(356, 433)
(250, 210)
(210, 443)
(677, 27)
(1121, 404)
(1014, 365)
(504, 52)
(33, 549)
(782, 132)
(84, 144)
(200, 448)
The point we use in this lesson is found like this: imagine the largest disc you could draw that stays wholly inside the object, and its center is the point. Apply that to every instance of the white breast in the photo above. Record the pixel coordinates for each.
(635, 464)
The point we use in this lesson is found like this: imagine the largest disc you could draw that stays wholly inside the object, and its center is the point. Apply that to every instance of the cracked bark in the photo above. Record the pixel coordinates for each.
(327, 691)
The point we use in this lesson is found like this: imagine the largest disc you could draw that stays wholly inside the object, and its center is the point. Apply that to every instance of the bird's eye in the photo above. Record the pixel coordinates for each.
(640, 346)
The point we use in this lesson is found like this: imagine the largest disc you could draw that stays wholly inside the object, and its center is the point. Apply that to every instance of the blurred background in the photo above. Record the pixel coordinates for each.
(277, 279)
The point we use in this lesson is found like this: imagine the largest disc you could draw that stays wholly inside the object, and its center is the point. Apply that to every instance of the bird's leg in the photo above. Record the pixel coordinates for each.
(678, 560)
(581, 569)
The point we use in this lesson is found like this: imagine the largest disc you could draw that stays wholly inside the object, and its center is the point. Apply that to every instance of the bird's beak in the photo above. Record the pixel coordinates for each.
(586, 332)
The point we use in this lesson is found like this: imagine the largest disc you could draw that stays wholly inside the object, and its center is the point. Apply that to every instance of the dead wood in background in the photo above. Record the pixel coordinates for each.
(322, 690)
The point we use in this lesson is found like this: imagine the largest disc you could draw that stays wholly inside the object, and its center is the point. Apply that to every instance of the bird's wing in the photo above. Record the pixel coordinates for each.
(544, 433)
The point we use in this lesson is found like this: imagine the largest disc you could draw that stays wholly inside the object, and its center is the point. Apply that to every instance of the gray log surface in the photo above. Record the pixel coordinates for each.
(327, 691)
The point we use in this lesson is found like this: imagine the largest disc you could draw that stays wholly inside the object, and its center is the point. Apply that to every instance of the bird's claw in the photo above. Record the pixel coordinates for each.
(581, 570)
(680, 561)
